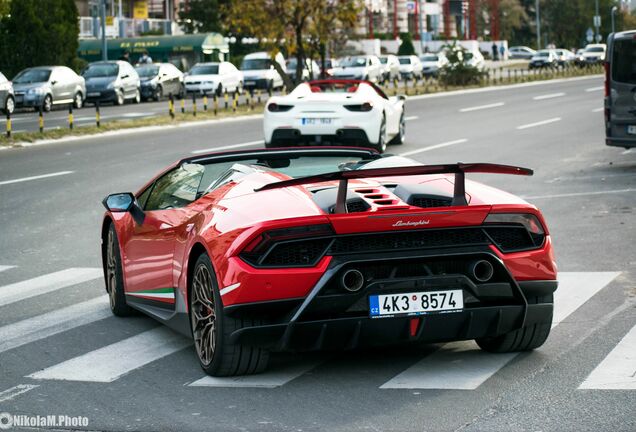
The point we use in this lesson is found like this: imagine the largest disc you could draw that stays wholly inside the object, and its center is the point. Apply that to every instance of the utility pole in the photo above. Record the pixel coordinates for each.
(613, 14)
(597, 23)
(103, 25)
(421, 13)
(538, 17)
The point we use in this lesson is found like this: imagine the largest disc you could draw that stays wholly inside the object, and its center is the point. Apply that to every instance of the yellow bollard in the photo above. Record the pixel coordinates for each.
(183, 105)
(8, 125)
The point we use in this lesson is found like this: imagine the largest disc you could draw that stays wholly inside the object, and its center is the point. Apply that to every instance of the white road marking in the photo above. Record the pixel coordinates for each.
(628, 151)
(462, 366)
(618, 370)
(481, 107)
(227, 147)
(595, 110)
(409, 118)
(113, 361)
(16, 391)
(433, 147)
(46, 283)
(592, 89)
(540, 123)
(52, 323)
(6, 267)
(575, 288)
(38, 177)
(272, 378)
(548, 96)
(575, 194)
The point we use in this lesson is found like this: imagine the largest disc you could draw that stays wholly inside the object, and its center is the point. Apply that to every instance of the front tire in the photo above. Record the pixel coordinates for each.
(381, 144)
(211, 328)
(114, 276)
(119, 97)
(47, 103)
(137, 98)
(158, 93)
(524, 339)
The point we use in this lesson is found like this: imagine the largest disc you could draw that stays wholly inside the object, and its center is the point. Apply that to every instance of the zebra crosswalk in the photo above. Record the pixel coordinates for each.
(454, 366)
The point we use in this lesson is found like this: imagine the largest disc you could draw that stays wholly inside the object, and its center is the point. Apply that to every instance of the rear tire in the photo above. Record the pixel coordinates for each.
(401, 135)
(9, 105)
(158, 93)
(78, 100)
(119, 97)
(381, 144)
(137, 98)
(524, 339)
(114, 276)
(211, 328)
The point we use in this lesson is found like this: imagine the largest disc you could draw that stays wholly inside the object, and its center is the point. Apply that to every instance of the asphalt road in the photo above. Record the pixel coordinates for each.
(131, 374)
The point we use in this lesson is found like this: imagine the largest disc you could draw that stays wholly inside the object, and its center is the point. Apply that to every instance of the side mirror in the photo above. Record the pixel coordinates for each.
(124, 76)
(53, 82)
(124, 202)
(119, 202)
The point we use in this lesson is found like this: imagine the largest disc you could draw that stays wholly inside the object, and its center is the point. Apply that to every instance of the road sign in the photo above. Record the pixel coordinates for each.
(597, 20)
(589, 35)
(599, 38)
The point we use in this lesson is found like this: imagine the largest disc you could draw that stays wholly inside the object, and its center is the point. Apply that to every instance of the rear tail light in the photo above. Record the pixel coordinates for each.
(607, 79)
(529, 221)
(367, 106)
(288, 247)
(274, 107)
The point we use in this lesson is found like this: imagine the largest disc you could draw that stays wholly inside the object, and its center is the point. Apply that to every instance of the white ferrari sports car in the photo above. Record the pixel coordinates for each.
(328, 112)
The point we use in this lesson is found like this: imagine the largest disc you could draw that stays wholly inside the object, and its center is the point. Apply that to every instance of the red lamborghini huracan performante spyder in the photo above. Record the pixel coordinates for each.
(318, 248)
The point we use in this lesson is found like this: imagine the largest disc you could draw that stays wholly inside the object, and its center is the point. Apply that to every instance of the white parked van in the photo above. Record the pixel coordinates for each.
(620, 84)
(259, 72)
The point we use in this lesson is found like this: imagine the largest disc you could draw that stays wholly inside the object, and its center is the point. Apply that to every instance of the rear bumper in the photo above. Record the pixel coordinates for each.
(285, 137)
(350, 333)
(101, 95)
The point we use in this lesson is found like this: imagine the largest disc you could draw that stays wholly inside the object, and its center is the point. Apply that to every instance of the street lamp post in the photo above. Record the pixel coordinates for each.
(103, 25)
(597, 23)
(613, 14)
(538, 17)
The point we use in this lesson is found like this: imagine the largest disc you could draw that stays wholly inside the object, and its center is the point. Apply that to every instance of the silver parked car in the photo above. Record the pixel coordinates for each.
(46, 86)
(7, 100)
(112, 81)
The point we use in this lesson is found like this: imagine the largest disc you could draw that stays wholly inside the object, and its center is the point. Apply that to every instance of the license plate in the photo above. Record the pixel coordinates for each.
(250, 83)
(415, 303)
(315, 121)
(94, 94)
(631, 129)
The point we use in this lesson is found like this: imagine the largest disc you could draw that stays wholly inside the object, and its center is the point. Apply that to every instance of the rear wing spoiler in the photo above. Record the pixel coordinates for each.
(459, 169)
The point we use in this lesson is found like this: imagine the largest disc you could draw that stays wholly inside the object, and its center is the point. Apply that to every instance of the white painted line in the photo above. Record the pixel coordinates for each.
(628, 151)
(433, 147)
(409, 118)
(38, 177)
(16, 391)
(618, 370)
(113, 361)
(541, 123)
(272, 378)
(49, 324)
(47, 283)
(463, 366)
(227, 147)
(575, 289)
(229, 288)
(548, 96)
(481, 107)
(592, 89)
(575, 194)
(595, 110)
(6, 267)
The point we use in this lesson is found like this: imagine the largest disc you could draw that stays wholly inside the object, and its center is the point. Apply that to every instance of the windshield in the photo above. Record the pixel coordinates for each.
(429, 58)
(101, 70)
(32, 76)
(147, 71)
(255, 64)
(354, 62)
(291, 63)
(405, 60)
(595, 49)
(205, 70)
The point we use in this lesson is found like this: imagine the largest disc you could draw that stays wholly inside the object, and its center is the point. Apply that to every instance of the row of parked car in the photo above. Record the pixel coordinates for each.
(560, 57)
(44, 87)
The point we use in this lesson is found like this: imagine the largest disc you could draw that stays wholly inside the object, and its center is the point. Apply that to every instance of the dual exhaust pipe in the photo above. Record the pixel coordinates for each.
(352, 280)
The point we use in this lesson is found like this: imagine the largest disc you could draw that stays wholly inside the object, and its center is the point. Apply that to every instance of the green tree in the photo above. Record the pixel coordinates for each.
(406, 47)
(202, 16)
(287, 24)
(37, 33)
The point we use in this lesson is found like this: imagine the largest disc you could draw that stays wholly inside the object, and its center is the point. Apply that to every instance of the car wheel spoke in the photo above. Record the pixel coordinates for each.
(203, 315)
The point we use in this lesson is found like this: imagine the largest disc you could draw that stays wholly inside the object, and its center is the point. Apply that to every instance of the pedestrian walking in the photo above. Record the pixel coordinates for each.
(494, 52)
(145, 58)
(502, 51)
(125, 56)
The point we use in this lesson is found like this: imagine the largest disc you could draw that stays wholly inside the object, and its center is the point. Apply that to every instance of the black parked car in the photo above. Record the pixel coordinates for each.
(160, 79)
